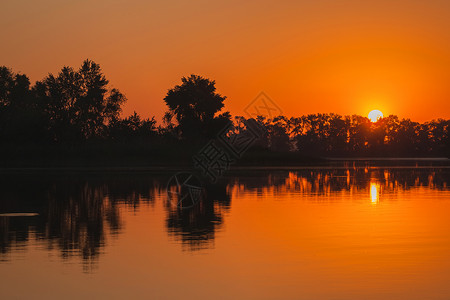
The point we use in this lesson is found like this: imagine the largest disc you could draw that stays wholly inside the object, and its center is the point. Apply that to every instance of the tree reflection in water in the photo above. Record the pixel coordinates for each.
(76, 213)
(196, 227)
(79, 213)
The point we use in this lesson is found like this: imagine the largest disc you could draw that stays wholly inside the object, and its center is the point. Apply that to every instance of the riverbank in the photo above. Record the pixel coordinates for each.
(73, 166)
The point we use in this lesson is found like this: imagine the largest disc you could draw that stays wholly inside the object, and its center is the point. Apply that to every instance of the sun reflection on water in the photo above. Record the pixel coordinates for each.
(374, 192)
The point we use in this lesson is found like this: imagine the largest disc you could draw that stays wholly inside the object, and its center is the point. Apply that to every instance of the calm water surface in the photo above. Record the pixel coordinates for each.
(306, 234)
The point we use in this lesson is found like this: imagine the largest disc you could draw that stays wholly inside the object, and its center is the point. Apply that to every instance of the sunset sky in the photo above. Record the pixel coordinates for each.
(346, 57)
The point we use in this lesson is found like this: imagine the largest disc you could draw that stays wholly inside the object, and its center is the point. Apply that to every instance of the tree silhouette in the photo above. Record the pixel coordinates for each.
(133, 128)
(76, 114)
(21, 119)
(279, 134)
(79, 104)
(195, 104)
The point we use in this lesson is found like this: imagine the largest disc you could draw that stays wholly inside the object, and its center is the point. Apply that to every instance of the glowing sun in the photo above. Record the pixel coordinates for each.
(375, 115)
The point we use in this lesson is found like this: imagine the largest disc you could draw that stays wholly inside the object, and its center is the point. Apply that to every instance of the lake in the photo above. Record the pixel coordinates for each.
(312, 233)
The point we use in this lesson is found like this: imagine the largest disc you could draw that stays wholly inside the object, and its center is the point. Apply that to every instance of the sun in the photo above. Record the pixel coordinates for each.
(375, 115)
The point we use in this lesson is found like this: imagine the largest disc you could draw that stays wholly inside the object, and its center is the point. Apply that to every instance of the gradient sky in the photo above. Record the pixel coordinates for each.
(347, 57)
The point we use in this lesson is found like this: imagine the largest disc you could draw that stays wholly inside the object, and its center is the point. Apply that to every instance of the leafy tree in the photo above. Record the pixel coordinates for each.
(6, 86)
(279, 134)
(21, 120)
(195, 106)
(133, 128)
(79, 104)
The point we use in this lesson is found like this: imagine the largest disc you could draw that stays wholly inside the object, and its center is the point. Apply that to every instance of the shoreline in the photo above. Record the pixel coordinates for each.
(335, 163)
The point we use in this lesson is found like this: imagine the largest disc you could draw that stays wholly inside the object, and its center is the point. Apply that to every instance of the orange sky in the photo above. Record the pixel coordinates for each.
(310, 56)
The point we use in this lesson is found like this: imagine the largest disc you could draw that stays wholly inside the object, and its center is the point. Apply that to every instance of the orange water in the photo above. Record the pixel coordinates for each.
(306, 234)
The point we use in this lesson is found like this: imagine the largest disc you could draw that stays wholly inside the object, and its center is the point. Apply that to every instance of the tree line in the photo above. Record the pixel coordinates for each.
(335, 135)
(78, 110)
